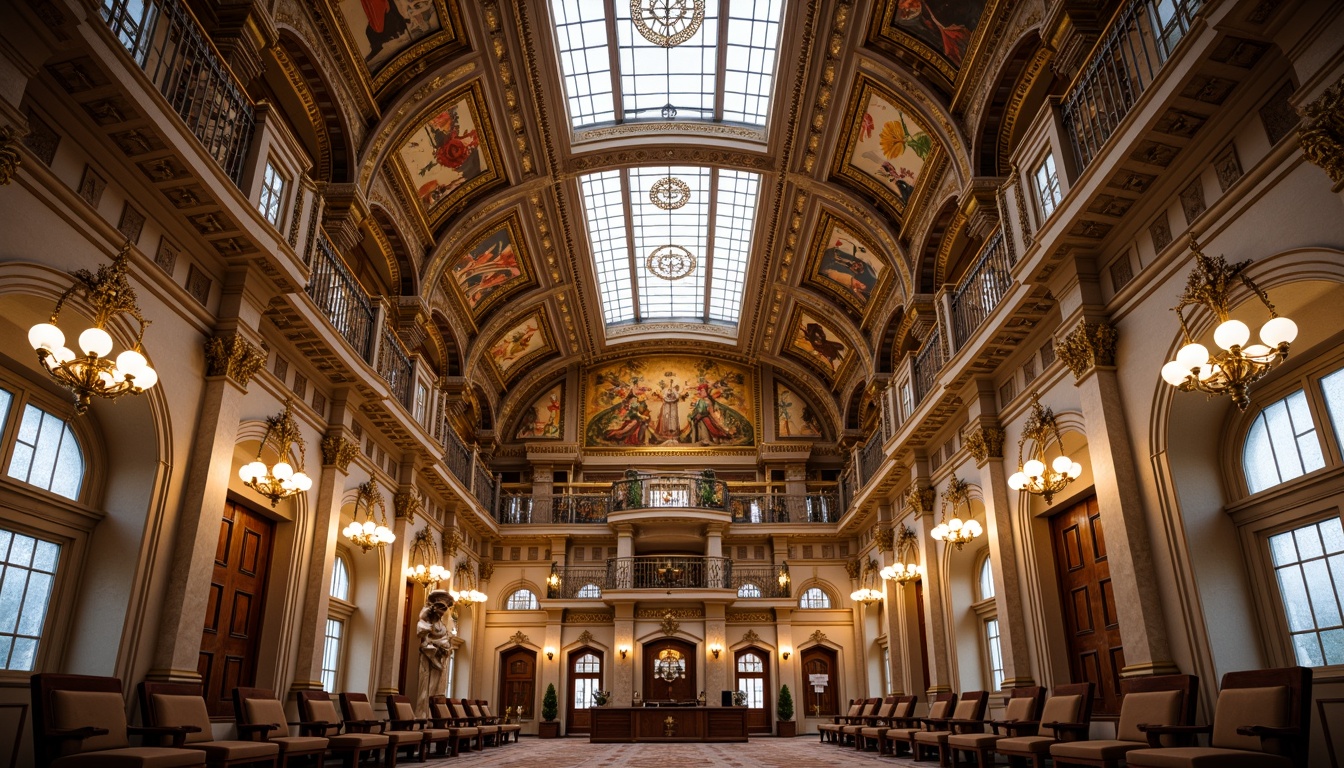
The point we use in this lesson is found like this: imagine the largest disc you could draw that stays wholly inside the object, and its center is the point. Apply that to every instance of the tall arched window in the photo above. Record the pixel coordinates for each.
(340, 578)
(986, 579)
(46, 453)
(522, 600)
(1282, 444)
(751, 678)
(813, 597)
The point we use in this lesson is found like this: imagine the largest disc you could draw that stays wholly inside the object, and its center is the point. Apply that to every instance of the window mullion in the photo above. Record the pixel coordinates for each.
(721, 63)
(710, 232)
(614, 57)
(630, 244)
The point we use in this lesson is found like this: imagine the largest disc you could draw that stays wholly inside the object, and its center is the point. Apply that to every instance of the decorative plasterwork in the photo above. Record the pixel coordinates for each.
(519, 638)
(406, 504)
(494, 266)
(356, 103)
(1322, 134)
(920, 499)
(676, 613)
(843, 265)
(585, 638)
(589, 617)
(499, 47)
(659, 129)
(1088, 346)
(338, 452)
(750, 637)
(885, 539)
(984, 443)
(826, 90)
(9, 154)
(670, 625)
(233, 356)
(670, 328)
(817, 637)
(996, 43)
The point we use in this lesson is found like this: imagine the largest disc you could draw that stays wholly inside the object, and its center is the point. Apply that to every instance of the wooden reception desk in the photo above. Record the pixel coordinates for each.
(612, 725)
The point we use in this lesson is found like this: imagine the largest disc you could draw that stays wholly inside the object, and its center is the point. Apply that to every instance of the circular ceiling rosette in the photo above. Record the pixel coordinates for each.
(667, 23)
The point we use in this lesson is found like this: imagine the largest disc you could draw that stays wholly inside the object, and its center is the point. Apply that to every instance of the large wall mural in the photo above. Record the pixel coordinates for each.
(845, 266)
(526, 340)
(794, 416)
(816, 343)
(940, 32)
(492, 268)
(670, 401)
(887, 149)
(545, 418)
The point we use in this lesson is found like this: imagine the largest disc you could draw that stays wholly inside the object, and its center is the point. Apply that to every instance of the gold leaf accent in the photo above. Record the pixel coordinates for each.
(233, 356)
(1088, 346)
(338, 452)
(1322, 135)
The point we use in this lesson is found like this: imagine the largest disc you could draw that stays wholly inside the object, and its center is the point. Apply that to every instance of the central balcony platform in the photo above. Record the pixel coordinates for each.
(668, 572)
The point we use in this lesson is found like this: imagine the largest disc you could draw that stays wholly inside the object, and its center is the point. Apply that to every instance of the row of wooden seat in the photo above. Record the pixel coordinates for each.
(80, 722)
(1262, 720)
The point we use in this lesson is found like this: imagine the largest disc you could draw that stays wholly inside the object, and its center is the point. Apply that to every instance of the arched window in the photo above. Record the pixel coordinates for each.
(1282, 444)
(46, 453)
(751, 678)
(339, 611)
(340, 578)
(813, 597)
(748, 590)
(986, 579)
(589, 591)
(587, 680)
(522, 600)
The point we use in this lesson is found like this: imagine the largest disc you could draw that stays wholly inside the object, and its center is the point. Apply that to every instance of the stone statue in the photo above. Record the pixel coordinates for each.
(435, 643)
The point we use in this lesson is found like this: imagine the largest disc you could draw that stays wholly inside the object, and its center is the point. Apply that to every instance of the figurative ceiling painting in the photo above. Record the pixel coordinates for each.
(545, 418)
(449, 154)
(381, 29)
(794, 416)
(670, 402)
(887, 148)
(845, 266)
(526, 340)
(817, 343)
(940, 32)
(492, 268)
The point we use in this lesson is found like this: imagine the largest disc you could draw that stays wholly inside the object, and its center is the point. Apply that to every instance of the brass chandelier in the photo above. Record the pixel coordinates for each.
(368, 532)
(424, 568)
(468, 595)
(1034, 476)
(281, 480)
(867, 593)
(92, 372)
(906, 568)
(1232, 370)
(956, 531)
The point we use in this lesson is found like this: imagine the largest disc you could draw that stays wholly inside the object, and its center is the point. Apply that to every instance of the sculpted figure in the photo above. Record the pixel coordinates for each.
(435, 643)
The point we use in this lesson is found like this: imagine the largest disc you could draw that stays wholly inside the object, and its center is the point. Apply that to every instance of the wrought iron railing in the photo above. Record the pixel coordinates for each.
(578, 582)
(870, 457)
(165, 41)
(1123, 64)
(784, 507)
(928, 361)
(764, 578)
(484, 488)
(517, 508)
(457, 456)
(335, 292)
(649, 491)
(394, 365)
(981, 290)
(674, 572)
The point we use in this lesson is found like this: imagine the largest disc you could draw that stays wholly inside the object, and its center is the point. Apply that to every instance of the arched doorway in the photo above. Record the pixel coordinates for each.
(820, 660)
(518, 680)
(585, 679)
(673, 652)
(752, 667)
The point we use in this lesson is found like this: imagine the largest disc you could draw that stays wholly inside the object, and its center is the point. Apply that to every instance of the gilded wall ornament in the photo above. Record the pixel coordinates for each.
(670, 262)
(985, 443)
(9, 154)
(519, 638)
(338, 452)
(750, 637)
(233, 356)
(670, 193)
(817, 637)
(451, 541)
(585, 638)
(670, 624)
(853, 568)
(487, 569)
(406, 503)
(920, 499)
(667, 23)
(885, 539)
(1322, 135)
(588, 617)
(1087, 346)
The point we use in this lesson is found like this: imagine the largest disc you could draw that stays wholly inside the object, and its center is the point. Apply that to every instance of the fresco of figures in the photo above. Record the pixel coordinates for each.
(669, 402)
(943, 25)
(526, 340)
(491, 268)
(444, 153)
(381, 29)
(794, 417)
(817, 343)
(844, 266)
(892, 147)
(544, 419)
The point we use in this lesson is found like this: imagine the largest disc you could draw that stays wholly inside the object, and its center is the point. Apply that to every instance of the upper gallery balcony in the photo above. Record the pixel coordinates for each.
(667, 572)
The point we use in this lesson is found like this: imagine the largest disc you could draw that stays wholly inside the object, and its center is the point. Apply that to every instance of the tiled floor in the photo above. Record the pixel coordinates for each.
(764, 752)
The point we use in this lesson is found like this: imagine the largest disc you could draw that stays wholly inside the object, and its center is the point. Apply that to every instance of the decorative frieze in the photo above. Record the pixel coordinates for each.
(233, 356)
(750, 617)
(677, 613)
(486, 569)
(1088, 346)
(451, 541)
(1322, 135)
(589, 617)
(338, 452)
(985, 443)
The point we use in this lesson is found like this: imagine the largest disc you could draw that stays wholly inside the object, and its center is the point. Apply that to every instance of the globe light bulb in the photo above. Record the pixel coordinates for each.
(1174, 373)
(1033, 468)
(1017, 481)
(131, 362)
(1192, 356)
(1232, 333)
(63, 355)
(1208, 371)
(1075, 470)
(369, 526)
(245, 473)
(1258, 351)
(105, 379)
(95, 341)
(46, 336)
(973, 527)
(1061, 464)
(302, 481)
(939, 531)
(1279, 330)
(282, 471)
(954, 524)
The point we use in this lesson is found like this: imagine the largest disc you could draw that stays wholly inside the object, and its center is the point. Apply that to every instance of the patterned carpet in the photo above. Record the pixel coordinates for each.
(764, 752)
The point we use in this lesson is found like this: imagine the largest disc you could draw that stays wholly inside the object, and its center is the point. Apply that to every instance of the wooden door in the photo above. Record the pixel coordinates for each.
(680, 689)
(753, 677)
(518, 681)
(236, 605)
(820, 660)
(585, 679)
(1096, 654)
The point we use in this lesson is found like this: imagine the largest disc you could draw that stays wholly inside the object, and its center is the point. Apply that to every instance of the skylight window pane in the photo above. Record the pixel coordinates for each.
(686, 227)
(753, 35)
(653, 77)
(733, 225)
(603, 201)
(581, 36)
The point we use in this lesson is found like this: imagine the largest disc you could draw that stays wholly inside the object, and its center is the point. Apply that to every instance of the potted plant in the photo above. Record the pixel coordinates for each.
(550, 707)
(787, 728)
(601, 698)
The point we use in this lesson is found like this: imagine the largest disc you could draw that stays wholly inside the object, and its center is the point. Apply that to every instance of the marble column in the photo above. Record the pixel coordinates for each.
(624, 682)
(393, 580)
(936, 641)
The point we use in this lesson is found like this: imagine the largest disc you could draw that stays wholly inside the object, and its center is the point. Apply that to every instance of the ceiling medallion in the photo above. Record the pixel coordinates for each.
(667, 22)
(670, 262)
(670, 193)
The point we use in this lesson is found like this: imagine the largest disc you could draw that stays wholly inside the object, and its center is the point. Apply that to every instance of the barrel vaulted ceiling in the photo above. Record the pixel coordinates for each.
(525, 176)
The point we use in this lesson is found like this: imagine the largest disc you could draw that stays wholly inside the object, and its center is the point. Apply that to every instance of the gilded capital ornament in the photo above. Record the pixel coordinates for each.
(233, 356)
(985, 443)
(852, 567)
(920, 499)
(406, 503)
(338, 452)
(487, 569)
(1088, 346)
(451, 541)
(9, 154)
(1322, 135)
(885, 539)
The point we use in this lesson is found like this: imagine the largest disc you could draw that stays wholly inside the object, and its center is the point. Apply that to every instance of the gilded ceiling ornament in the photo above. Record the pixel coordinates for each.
(667, 23)
(338, 452)
(1087, 346)
(985, 443)
(670, 193)
(519, 638)
(670, 262)
(1323, 134)
(233, 356)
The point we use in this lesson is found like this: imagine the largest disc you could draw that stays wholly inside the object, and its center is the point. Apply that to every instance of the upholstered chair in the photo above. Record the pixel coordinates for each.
(260, 716)
(401, 716)
(1024, 706)
(359, 715)
(179, 705)
(489, 733)
(80, 722)
(882, 714)
(903, 710)
(321, 718)
(831, 731)
(1066, 716)
(441, 716)
(967, 717)
(505, 729)
(1161, 700)
(1262, 720)
(904, 729)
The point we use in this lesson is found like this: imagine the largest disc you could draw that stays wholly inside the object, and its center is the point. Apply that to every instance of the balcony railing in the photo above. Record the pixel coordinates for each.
(649, 491)
(784, 508)
(484, 488)
(928, 361)
(457, 456)
(522, 508)
(165, 41)
(981, 290)
(1123, 64)
(340, 298)
(759, 581)
(394, 365)
(870, 457)
(678, 572)
(578, 582)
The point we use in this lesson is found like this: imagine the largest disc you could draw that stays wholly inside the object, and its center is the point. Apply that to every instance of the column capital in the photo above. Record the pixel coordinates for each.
(985, 442)
(10, 157)
(338, 452)
(1321, 135)
(921, 498)
(1088, 347)
(234, 357)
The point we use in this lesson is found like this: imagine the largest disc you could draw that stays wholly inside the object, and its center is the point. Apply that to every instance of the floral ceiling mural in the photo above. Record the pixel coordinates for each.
(941, 33)
(887, 149)
(450, 154)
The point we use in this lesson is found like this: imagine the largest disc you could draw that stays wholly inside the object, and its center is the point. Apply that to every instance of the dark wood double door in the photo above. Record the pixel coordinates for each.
(1091, 625)
(680, 689)
(233, 614)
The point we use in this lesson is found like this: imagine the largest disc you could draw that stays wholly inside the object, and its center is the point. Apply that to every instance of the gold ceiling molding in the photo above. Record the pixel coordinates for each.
(635, 329)
(645, 155)
(825, 91)
(310, 108)
(835, 196)
(543, 225)
(987, 47)
(785, 269)
(504, 66)
(375, 230)
(1040, 62)
(372, 157)
(950, 236)
(311, 26)
(655, 129)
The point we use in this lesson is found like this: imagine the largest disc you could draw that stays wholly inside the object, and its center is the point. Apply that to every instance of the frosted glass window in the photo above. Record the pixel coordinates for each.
(1282, 444)
(995, 652)
(986, 580)
(27, 572)
(340, 579)
(47, 455)
(1309, 565)
(748, 590)
(1332, 387)
(814, 598)
(590, 591)
(522, 600)
(331, 653)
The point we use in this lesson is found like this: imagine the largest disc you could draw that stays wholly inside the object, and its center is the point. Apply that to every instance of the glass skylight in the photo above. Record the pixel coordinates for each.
(713, 226)
(722, 72)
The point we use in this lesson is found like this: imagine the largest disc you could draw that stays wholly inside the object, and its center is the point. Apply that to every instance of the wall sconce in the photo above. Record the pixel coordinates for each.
(716, 650)
(624, 651)
(786, 655)
(550, 654)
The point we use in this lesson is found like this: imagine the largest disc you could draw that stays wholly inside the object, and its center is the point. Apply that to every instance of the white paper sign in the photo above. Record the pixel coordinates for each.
(819, 681)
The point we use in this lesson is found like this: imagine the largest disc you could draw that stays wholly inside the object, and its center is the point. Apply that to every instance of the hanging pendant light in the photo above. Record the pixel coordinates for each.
(906, 568)
(956, 530)
(367, 533)
(281, 480)
(1034, 476)
(868, 593)
(468, 595)
(424, 568)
